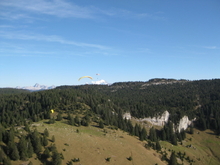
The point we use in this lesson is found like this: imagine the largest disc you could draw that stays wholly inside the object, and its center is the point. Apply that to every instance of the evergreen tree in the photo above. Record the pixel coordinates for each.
(44, 140)
(152, 135)
(183, 134)
(59, 117)
(101, 124)
(6, 161)
(35, 139)
(15, 154)
(158, 147)
(26, 127)
(71, 120)
(56, 159)
(173, 160)
(22, 148)
(52, 120)
(136, 130)
(191, 130)
(76, 120)
(2, 155)
(163, 136)
(11, 135)
(143, 134)
(46, 132)
(174, 139)
(46, 153)
(30, 149)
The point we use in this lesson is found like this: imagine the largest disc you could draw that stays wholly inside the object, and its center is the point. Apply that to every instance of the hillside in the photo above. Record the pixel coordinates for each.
(97, 112)
(12, 91)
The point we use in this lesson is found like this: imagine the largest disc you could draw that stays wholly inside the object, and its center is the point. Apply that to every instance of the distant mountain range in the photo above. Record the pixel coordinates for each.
(36, 87)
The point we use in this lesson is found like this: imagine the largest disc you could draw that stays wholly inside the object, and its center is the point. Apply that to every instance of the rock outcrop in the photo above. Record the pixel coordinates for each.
(127, 115)
(160, 120)
(184, 123)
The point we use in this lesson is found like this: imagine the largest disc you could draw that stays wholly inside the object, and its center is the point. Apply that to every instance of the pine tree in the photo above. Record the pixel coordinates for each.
(59, 117)
(153, 135)
(15, 154)
(136, 130)
(46, 153)
(71, 120)
(30, 149)
(191, 130)
(143, 134)
(6, 161)
(2, 155)
(173, 160)
(56, 159)
(76, 120)
(46, 132)
(44, 140)
(11, 134)
(101, 124)
(174, 139)
(35, 139)
(22, 148)
(158, 147)
(26, 127)
(164, 136)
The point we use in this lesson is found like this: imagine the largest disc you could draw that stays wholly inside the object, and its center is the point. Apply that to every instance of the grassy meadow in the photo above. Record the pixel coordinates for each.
(93, 146)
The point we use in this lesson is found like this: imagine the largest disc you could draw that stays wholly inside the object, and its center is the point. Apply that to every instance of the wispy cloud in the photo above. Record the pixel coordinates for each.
(122, 13)
(211, 47)
(12, 9)
(47, 38)
(59, 8)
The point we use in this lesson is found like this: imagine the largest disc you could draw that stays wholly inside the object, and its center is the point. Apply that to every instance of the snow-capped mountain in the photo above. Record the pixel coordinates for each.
(36, 87)
(100, 82)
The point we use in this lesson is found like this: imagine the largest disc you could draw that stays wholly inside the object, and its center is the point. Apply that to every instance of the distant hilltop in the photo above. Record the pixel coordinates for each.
(36, 87)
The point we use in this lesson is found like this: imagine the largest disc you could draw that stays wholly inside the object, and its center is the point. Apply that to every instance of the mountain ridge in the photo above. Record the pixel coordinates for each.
(36, 87)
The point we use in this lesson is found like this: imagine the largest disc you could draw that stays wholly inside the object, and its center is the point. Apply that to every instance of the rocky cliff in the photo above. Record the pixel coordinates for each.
(160, 120)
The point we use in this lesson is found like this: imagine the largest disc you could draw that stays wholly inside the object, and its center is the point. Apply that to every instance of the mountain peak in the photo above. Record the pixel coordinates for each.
(37, 87)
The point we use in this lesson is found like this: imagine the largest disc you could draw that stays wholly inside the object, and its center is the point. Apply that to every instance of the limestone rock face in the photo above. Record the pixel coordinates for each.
(127, 116)
(184, 123)
(160, 120)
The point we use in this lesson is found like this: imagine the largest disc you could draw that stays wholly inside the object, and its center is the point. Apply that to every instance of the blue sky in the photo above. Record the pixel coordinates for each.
(54, 42)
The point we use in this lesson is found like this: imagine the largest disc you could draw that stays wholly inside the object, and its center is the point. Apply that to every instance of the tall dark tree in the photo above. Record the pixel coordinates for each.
(173, 160)
(15, 154)
(46, 132)
(101, 124)
(44, 140)
(174, 139)
(158, 146)
(152, 134)
(59, 116)
(35, 140)
(46, 153)
(6, 161)
(143, 134)
(56, 159)
(22, 148)
(30, 149)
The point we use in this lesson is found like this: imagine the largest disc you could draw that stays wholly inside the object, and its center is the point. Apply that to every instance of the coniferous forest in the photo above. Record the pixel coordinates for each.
(105, 105)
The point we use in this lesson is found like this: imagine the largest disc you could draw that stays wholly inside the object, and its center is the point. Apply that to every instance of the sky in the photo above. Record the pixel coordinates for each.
(55, 42)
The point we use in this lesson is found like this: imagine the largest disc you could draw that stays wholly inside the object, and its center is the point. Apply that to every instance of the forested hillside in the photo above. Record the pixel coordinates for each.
(12, 91)
(105, 105)
(200, 99)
